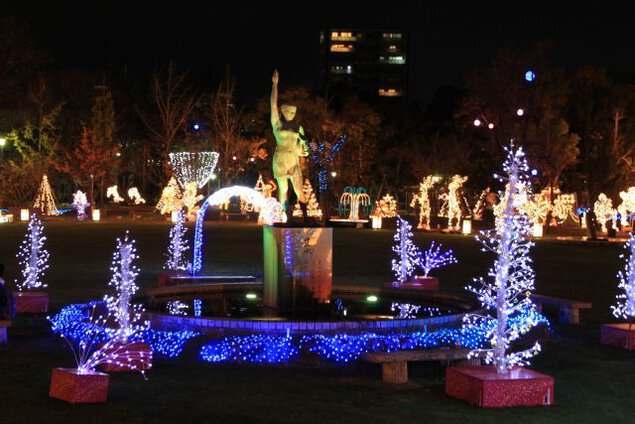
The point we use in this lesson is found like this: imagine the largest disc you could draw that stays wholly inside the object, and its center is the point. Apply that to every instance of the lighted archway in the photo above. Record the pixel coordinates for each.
(270, 212)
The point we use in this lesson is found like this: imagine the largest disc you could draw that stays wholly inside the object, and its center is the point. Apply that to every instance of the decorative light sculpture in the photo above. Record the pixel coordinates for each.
(627, 207)
(24, 214)
(406, 310)
(124, 274)
(625, 307)
(313, 208)
(176, 307)
(190, 199)
(323, 157)
(178, 246)
(80, 203)
(198, 307)
(171, 198)
(135, 196)
(96, 215)
(386, 207)
(352, 200)
(477, 212)
(194, 166)
(270, 212)
(423, 198)
(93, 351)
(467, 227)
(33, 257)
(44, 199)
(563, 207)
(408, 255)
(113, 192)
(435, 258)
(604, 212)
(454, 202)
(508, 291)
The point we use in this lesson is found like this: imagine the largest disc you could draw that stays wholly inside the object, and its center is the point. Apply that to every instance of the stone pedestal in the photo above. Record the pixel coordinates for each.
(67, 384)
(483, 386)
(31, 302)
(297, 267)
(618, 335)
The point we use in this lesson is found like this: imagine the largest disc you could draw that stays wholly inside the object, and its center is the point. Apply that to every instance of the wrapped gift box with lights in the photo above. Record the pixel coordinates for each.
(138, 357)
(31, 302)
(70, 385)
(618, 335)
(483, 386)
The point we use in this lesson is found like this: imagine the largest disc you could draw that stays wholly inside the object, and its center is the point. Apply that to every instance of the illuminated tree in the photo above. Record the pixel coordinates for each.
(313, 208)
(124, 274)
(45, 200)
(510, 281)
(171, 198)
(178, 246)
(627, 207)
(625, 307)
(33, 257)
(423, 198)
(434, 258)
(408, 255)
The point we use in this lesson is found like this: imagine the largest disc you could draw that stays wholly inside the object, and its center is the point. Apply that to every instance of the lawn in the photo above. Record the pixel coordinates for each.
(593, 383)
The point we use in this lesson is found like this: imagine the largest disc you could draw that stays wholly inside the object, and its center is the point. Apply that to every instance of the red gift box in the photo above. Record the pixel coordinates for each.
(135, 356)
(31, 302)
(618, 335)
(483, 386)
(69, 385)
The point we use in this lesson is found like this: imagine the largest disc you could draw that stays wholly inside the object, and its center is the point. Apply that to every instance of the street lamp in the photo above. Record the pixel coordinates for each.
(3, 142)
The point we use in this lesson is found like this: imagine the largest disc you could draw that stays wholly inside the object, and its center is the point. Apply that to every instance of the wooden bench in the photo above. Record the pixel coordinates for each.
(3, 330)
(394, 365)
(568, 310)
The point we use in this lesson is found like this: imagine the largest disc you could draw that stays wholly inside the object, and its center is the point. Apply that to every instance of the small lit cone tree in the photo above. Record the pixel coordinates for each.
(84, 384)
(126, 314)
(423, 198)
(623, 335)
(408, 255)
(178, 246)
(507, 293)
(171, 199)
(313, 207)
(33, 259)
(44, 199)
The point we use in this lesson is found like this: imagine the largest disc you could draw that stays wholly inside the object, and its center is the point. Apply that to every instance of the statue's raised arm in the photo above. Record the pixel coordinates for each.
(275, 115)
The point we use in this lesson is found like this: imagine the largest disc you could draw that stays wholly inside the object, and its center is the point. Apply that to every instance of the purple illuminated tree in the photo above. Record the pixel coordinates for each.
(434, 258)
(178, 246)
(408, 255)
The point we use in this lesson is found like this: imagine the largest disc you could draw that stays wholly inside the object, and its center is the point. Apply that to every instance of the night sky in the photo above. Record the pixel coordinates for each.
(445, 41)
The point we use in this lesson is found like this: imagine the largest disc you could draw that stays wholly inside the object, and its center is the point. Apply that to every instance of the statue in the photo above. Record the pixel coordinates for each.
(290, 146)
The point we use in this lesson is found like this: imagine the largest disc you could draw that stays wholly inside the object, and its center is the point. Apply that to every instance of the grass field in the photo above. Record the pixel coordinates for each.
(593, 383)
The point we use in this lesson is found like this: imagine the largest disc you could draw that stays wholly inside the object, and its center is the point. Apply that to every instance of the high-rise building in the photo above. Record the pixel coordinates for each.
(372, 63)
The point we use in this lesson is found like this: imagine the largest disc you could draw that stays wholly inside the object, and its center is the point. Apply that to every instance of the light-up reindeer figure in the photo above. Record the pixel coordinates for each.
(454, 202)
(423, 198)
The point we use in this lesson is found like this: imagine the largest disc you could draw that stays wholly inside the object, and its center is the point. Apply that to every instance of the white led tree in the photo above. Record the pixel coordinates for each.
(171, 198)
(178, 246)
(33, 257)
(408, 255)
(423, 198)
(625, 307)
(510, 281)
(124, 274)
(435, 258)
(44, 199)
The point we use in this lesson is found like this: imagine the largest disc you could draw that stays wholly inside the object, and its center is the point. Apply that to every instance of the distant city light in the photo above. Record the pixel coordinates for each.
(520, 112)
(530, 76)
(477, 122)
(252, 159)
(490, 126)
(197, 126)
(234, 157)
(333, 174)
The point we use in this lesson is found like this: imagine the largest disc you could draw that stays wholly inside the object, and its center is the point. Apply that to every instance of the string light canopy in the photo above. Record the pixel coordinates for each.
(194, 166)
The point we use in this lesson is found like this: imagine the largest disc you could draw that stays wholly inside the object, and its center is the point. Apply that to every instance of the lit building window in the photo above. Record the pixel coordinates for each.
(393, 60)
(392, 48)
(342, 48)
(343, 36)
(392, 35)
(341, 69)
(390, 92)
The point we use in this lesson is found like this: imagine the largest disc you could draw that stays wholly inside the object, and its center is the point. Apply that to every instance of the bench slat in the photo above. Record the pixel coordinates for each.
(416, 355)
